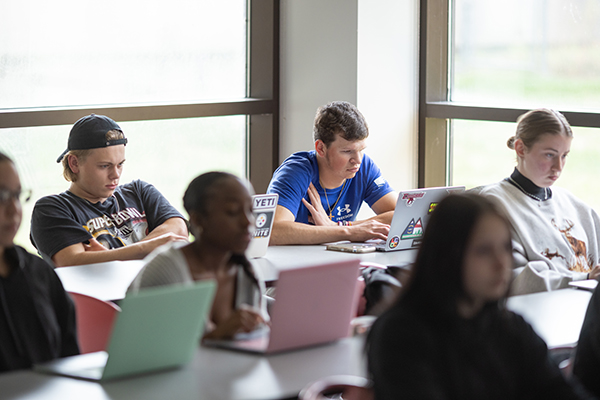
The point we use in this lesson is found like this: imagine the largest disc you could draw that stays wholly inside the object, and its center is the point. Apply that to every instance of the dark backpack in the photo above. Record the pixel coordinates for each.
(382, 286)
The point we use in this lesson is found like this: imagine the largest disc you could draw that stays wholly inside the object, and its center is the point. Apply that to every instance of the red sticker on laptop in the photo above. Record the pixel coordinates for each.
(411, 197)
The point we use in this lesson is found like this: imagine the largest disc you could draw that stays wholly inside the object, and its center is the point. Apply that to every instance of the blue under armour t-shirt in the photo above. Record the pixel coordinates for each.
(291, 180)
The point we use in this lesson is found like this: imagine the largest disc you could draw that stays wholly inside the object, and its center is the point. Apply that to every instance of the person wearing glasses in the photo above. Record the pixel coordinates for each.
(37, 317)
(96, 219)
(321, 191)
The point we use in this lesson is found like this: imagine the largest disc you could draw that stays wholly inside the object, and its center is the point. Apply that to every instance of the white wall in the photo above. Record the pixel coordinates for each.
(361, 51)
(318, 65)
(388, 85)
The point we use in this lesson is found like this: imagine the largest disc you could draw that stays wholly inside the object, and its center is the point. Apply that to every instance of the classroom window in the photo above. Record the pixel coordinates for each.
(73, 52)
(523, 53)
(200, 146)
(480, 156)
(193, 84)
(488, 62)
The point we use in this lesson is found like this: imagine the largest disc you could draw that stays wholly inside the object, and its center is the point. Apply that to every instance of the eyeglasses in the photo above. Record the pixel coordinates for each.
(22, 196)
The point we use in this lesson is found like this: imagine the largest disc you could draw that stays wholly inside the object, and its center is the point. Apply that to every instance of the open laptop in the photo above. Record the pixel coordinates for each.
(158, 328)
(314, 305)
(263, 208)
(411, 214)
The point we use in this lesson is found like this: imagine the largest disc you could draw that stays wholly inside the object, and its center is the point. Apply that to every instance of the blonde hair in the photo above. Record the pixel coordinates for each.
(535, 123)
(81, 155)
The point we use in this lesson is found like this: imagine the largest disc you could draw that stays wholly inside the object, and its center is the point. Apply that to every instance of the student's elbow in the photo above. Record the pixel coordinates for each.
(175, 225)
(62, 261)
(278, 237)
(180, 227)
(282, 231)
(68, 256)
(385, 204)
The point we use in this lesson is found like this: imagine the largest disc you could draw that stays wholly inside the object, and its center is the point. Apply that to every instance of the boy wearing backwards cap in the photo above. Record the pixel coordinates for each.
(96, 220)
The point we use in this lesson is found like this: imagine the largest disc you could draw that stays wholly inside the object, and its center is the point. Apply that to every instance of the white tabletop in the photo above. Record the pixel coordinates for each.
(110, 280)
(213, 374)
(283, 257)
(106, 281)
(556, 316)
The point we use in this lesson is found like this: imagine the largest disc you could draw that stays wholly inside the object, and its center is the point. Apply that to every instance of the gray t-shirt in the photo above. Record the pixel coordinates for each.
(133, 211)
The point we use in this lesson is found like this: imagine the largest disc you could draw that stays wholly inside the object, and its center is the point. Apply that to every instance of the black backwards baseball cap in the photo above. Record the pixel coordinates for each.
(89, 132)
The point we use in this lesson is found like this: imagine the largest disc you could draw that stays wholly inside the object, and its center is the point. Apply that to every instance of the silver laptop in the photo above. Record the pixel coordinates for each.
(411, 214)
(158, 328)
(314, 305)
(263, 208)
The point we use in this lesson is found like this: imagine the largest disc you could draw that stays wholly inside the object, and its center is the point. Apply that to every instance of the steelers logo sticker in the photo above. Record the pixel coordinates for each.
(261, 220)
(394, 242)
(262, 224)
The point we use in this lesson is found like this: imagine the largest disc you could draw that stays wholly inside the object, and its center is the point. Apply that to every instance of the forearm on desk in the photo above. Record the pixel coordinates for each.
(77, 255)
(174, 225)
(289, 232)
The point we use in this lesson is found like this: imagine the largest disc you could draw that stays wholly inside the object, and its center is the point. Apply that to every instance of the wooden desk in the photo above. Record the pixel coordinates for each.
(213, 374)
(110, 280)
(556, 316)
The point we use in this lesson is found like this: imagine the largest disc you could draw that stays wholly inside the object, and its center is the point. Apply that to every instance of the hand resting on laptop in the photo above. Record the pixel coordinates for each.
(220, 209)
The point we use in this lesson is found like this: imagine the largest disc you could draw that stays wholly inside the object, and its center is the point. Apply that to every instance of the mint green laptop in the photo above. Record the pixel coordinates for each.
(158, 328)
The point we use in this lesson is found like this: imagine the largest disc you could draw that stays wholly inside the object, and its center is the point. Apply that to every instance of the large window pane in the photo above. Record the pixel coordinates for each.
(480, 156)
(514, 52)
(80, 52)
(479, 152)
(168, 154)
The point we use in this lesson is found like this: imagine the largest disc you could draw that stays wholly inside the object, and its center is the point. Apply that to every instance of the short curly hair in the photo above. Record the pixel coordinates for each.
(339, 117)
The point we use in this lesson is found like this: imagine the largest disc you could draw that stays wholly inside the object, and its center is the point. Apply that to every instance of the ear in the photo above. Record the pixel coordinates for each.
(320, 148)
(73, 163)
(520, 148)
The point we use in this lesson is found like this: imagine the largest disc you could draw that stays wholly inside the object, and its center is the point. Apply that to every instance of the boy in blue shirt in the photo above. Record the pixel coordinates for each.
(321, 191)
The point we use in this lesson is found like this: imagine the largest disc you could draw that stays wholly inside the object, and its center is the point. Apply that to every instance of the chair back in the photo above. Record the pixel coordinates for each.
(563, 356)
(95, 319)
(348, 387)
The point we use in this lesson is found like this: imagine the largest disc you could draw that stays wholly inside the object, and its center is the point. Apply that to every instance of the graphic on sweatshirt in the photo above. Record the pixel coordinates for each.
(126, 227)
(582, 262)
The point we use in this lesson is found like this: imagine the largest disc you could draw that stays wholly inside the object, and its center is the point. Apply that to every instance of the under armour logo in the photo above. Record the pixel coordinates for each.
(346, 209)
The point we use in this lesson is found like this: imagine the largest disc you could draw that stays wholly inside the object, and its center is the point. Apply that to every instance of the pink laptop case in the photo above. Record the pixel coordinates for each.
(314, 305)
(318, 304)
